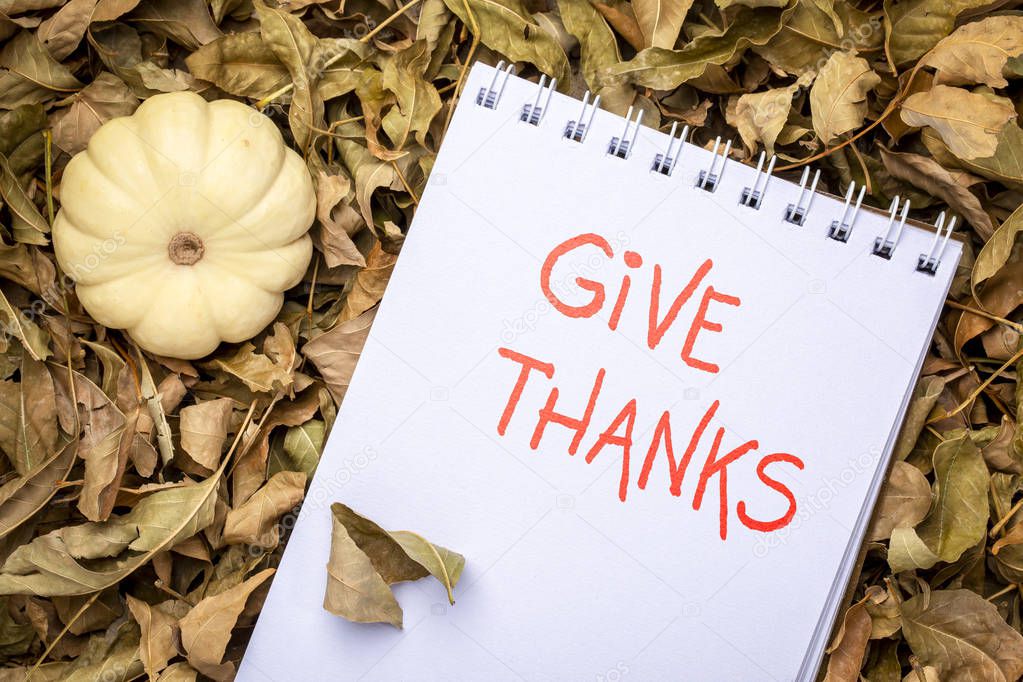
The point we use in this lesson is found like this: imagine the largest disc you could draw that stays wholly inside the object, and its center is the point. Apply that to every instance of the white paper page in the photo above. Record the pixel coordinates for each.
(564, 580)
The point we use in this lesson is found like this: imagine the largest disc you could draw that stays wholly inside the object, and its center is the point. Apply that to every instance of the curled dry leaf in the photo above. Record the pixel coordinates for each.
(254, 522)
(968, 123)
(667, 69)
(838, 98)
(850, 645)
(206, 630)
(904, 502)
(365, 559)
(660, 20)
(962, 636)
(977, 52)
(760, 117)
(335, 352)
(158, 631)
(203, 430)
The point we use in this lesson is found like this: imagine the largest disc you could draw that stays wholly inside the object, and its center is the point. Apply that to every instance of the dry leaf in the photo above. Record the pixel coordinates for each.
(977, 52)
(203, 430)
(904, 502)
(969, 124)
(335, 352)
(838, 98)
(253, 523)
(206, 630)
(158, 640)
(962, 636)
(850, 644)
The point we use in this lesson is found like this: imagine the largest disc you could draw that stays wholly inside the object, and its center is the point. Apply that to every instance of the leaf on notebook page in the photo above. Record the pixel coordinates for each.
(355, 590)
(443, 564)
(962, 635)
(392, 556)
(206, 630)
(838, 98)
(966, 122)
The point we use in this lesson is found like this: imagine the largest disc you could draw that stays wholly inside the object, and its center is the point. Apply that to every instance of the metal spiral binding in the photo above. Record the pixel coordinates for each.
(884, 245)
(709, 179)
(489, 97)
(841, 229)
(622, 145)
(928, 262)
(796, 213)
(751, 196)
(665, 163)
(576, 130)
(533, 113)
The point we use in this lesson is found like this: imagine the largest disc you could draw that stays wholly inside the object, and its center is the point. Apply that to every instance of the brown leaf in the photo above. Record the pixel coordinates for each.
(968, 123)
(370, 282)
(104, 98)
(253, 522)
(335, 352)
(904, 502)
(203, 430)
(62, 32)
(206, 630)
(850, 645)
(962, 636)
(355, 590)
(661, 20)
(28, 429)
(338, 221)
(241, 64)
(158, 624)
(838, 98)
(928, 175)
(977, 52)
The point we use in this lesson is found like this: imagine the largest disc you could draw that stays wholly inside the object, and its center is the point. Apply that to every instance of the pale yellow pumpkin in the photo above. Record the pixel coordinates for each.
(184, 223)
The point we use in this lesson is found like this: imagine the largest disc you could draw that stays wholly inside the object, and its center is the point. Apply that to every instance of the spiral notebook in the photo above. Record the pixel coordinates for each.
(650, 393)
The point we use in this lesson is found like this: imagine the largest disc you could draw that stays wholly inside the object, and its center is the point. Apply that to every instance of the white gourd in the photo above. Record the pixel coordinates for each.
(184, 223)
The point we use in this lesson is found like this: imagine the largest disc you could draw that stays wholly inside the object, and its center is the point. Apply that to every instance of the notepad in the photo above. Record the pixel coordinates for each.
(649, 392)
